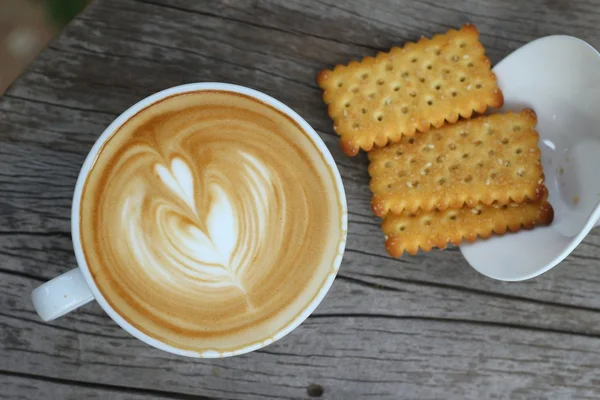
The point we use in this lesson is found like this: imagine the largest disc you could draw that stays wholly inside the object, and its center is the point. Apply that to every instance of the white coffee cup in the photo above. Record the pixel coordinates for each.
(75, 288)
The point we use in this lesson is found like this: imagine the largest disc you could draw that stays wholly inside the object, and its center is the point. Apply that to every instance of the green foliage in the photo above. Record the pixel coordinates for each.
(63, 11)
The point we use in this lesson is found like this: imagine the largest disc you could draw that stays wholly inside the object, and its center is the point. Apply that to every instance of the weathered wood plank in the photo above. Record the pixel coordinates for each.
(350, 356)
(29, 387)
(419, 327)
(363, 295)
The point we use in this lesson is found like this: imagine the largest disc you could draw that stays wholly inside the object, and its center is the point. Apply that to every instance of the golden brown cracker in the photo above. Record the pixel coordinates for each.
(427, 229)
(486, 159)
(409, 89)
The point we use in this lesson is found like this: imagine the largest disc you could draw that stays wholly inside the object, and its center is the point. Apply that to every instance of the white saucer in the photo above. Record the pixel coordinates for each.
(559, 78)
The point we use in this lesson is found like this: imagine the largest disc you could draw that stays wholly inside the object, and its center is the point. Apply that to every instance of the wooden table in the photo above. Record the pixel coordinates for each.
(418, 327)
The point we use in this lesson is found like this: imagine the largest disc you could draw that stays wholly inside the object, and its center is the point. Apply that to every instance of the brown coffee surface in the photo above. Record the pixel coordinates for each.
(209, 221)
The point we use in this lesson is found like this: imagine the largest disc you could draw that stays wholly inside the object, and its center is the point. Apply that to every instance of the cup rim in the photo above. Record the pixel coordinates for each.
(123, 118)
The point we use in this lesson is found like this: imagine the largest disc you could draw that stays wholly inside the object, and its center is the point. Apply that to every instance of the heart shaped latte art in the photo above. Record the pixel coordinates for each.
(213, 249)
(207, 221)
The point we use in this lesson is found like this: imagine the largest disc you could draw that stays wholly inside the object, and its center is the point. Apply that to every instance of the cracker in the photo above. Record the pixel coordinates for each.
(486, 159)
(409, 89)
(427, 229)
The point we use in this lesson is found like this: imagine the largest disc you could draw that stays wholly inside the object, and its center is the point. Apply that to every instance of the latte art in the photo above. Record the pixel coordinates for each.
(207, 245)
(210, 220)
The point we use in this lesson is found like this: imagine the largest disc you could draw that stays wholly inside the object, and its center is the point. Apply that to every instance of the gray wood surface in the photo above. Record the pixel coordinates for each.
(419, 327)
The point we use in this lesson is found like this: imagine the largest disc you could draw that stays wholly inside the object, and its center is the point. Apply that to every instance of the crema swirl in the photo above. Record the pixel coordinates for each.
(210, 221)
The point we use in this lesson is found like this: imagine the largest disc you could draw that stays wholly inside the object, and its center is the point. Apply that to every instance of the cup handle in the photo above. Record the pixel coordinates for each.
(61, 295)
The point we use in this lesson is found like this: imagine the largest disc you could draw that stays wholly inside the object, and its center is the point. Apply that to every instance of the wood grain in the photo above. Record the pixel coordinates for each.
(419, 327)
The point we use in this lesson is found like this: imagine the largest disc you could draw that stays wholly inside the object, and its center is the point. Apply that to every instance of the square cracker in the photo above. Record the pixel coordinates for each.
(428, 229)
(409, 89)
(486, 159)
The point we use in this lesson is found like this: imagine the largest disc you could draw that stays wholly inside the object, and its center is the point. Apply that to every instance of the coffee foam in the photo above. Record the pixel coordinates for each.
(210, 222)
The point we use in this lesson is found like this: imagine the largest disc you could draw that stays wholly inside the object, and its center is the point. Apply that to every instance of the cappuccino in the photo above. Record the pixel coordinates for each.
(210, 221)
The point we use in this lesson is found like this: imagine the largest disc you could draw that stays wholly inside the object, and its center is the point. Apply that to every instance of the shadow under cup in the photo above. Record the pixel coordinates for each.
(209, 220)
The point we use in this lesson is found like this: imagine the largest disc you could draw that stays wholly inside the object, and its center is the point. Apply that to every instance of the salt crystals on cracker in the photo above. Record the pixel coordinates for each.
(409, 89)
(488, 159)
(427, 229)
(438, 176)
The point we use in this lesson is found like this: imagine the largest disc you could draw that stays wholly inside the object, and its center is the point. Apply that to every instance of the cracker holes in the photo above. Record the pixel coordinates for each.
(364, 76)
(470, 65)
(465, 156)
(396, 87)
(355, 126)
(478, 143)
(455, 58)
(505, 141)
(441, 181)
(364, 110)
(399, 152)
(490, 132)
(387, 101)
(478, 86)
(517, 128)
(389, 67)
(371, 96)
(440, 159)
(429, 102)
(507, 163)
(521, 172)
(379, 117)
(429, 66)
(388, 164)
(518, 151)
(404, 75)
(401, 228)
(347, 104)
(476, 211)
(452, 146)
(414, 60)
(422, 80)
(426, 149)
(437, 86)
(411, 141)
(340, 84)
(454, 93)
(468, 178)
(446, 71)
(413, 94)
(427, 222)
(401, 174)
(463, 45)
(493, 175)
(452, 217)
(505, 206)
(464, 134)
(491, 153)
(355, 89)
(453, 168)
(437, 52)
(380, 82)
(404, 110)
(479, 164)
(462, 79)
(413, 161)
(425, 172)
